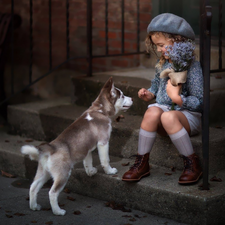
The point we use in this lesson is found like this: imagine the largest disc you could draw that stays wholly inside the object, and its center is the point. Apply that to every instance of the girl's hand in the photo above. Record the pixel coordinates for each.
(174, 92)
(145, 95)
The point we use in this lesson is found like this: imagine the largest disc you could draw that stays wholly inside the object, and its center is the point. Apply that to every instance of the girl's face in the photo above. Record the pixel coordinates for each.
(161, 42)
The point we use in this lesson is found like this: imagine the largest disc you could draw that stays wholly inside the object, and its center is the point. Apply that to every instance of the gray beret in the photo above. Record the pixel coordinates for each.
(170, 23)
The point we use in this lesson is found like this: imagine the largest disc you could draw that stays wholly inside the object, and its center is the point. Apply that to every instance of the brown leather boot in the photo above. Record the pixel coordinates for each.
(140, 169)
(192, 170)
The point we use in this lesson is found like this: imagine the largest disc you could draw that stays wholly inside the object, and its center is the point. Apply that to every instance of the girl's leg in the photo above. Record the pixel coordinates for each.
(150, 124)
(176, 125)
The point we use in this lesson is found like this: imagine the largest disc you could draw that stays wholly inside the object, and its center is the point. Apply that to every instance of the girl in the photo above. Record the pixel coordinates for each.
(180, 123)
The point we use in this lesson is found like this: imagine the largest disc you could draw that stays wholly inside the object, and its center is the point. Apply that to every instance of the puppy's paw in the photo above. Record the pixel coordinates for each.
(60, 212)
(111, 171)
(91, 171)
(35, 207)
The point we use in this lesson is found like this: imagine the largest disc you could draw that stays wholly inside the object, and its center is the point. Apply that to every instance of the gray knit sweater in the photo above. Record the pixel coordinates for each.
(192, 90)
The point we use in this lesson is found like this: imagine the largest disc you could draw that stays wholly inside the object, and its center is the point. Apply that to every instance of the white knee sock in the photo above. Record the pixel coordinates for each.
(182, 142)
(146, 141)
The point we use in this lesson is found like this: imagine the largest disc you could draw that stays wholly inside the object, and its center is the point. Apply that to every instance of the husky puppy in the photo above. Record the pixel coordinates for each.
(76, 143)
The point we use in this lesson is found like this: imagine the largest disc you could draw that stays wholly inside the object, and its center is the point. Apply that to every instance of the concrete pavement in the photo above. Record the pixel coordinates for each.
(81, 210)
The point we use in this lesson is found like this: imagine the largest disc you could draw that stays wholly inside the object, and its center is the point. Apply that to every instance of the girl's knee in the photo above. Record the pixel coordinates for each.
(151, 118)
(153, 113)
(168, 117)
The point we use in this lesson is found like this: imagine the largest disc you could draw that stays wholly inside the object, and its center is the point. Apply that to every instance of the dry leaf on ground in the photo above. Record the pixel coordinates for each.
(5, 174)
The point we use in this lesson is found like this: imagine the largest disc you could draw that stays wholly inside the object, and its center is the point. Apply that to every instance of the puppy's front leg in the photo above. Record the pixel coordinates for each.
(88, 165)
(103, 151)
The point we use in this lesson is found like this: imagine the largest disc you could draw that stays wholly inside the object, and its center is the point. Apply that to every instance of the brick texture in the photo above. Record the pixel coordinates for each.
(77, 32)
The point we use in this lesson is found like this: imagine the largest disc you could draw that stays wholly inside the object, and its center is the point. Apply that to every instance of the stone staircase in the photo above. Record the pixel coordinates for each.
(158, 194)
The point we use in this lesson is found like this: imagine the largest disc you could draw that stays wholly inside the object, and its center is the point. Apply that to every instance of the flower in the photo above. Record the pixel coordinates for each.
(181, 54)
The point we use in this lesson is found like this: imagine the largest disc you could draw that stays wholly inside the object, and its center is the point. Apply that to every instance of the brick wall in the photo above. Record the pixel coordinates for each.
(78, 39)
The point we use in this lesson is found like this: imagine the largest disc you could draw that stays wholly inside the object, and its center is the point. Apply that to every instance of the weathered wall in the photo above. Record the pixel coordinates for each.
(78, 39)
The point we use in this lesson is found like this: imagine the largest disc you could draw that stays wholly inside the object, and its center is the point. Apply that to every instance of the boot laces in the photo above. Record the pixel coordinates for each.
(137, 162)
(188, 163)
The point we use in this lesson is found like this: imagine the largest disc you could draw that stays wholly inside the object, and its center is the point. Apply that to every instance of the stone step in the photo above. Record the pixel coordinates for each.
(45, 120)
(85, 90)
(158, 194)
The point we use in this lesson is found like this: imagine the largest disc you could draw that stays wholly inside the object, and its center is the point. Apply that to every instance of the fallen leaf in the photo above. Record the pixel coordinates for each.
(122, 116)
(127, 216)
(9, 216)
(46, 209)
(114, 175)
(33, 221)
(70, 198)
(218, 127)
(133, 219)
(6, 140)
(119, 117)
(19, 214)
(116, 206)
(77, 212)
(88, 206)
(168, 174)
(66, 190)
(49, 222)
(173, 169)
(29, 140)
(216, 179)
(43, 143)
(4, 174)
(126, 164)
(137, 216)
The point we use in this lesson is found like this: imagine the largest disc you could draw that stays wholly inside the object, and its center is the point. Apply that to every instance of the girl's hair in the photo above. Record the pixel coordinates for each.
(150, 46)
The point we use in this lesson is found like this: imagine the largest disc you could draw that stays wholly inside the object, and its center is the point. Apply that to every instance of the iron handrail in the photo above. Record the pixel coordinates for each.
(205, 44)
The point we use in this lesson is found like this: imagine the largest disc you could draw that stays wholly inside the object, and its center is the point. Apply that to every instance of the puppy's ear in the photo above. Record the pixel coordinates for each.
(108, 84)
(110, 88)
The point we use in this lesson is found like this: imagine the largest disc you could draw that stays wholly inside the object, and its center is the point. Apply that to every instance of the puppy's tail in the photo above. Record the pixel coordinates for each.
(30, 150)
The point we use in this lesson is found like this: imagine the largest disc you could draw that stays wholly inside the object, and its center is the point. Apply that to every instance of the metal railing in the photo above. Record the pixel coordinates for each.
(205, 37)
(89, 56)
(205, 47)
